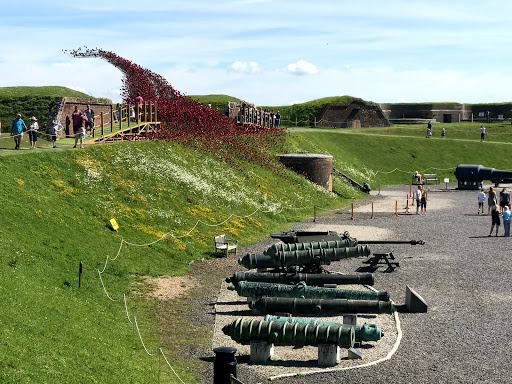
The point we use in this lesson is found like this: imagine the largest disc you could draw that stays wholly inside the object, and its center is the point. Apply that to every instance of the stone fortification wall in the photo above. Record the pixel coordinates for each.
(62, 109)
(354, 114)
(446, 112)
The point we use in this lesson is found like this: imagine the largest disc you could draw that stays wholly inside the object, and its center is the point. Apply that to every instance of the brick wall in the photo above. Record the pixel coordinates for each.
(62, 109)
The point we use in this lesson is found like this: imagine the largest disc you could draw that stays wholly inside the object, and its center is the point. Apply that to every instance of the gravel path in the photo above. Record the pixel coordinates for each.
(462, 274)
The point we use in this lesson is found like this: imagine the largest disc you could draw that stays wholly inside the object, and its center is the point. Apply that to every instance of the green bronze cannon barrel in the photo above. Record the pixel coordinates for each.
(304, 257)
(365, 332)
(308, 278)
(275, 249)
(272, 305)
(301, 290)
(243, 331)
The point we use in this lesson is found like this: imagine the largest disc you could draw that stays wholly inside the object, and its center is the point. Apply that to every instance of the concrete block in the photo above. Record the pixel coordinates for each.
(328, 355)
(354, 354)
(261, 351)
(413, 301)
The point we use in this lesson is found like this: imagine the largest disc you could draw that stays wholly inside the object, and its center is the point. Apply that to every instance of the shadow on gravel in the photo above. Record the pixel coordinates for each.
(239, 302)
(233, 313)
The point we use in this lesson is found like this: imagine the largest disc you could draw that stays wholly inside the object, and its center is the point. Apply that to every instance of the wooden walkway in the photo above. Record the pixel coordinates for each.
(136, 132)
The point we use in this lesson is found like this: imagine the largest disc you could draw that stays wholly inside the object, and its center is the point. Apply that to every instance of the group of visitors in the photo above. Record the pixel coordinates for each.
(497, 211)
(17, 131)
(82, 121)
(429, 131)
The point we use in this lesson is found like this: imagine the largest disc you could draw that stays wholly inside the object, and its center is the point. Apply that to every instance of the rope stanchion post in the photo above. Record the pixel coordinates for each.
(407, 205)
(352, 217)
(80, 275)
(396, 208)
(373, 216)
(379, 190)
(314, 214)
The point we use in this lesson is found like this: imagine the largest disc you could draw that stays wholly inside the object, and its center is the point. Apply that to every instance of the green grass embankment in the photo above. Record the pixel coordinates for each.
(55, 209)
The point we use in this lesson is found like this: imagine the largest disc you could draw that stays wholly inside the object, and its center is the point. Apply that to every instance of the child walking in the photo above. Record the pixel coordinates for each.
(481, 199)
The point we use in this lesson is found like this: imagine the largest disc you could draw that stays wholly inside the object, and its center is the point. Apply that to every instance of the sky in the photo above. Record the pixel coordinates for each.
(268, 52)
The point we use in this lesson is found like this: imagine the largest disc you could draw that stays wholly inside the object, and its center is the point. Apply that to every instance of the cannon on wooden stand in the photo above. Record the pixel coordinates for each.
(291, 237)
(309, 259)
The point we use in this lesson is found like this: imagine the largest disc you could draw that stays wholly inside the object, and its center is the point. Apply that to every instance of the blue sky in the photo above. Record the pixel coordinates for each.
(269, 52)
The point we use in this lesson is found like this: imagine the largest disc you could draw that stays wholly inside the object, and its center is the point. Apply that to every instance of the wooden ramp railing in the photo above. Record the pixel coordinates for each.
(127, 122)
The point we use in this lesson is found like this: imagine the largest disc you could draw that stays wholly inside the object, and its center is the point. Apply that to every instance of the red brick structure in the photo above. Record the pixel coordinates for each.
(62, 109)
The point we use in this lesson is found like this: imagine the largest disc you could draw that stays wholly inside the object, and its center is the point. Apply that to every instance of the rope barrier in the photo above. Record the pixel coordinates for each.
(165, 358)
(140, 337)
(103, 285)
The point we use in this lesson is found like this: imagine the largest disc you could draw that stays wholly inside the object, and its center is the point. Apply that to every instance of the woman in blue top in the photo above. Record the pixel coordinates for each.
(17, 130)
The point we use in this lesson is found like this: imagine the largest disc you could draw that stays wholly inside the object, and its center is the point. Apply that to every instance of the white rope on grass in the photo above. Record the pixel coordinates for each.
(103, 285)
(140, 337)
(165, 358)
(126, 308)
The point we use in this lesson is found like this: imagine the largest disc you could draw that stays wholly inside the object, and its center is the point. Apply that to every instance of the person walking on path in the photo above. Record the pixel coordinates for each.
(17, 130)
(89, 113)
(418, 199)
(77, 119)
(491, 199)
(482, 133)
(495, 220)
(504, 199)
(80, 133)
(481, 199)
(506, 221)
(423, 202)
(32, 133)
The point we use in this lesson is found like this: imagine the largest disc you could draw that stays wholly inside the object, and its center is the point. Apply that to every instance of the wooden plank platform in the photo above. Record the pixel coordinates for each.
(132, 133)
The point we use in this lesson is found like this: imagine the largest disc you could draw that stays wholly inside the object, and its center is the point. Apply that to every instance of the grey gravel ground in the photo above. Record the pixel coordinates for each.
(463, 275)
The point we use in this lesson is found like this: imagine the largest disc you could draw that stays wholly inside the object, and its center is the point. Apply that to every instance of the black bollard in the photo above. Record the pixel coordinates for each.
(224, 364)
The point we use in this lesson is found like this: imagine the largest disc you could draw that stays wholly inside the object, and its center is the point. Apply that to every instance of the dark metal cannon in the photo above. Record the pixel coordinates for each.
(301, 290)
(315, 237)
(365, 332)
(308, 278)
(272, 305)
(471, 176)
(243, 331)
(305, 257)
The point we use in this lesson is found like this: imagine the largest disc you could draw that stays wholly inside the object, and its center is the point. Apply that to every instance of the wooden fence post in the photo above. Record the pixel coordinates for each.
(111, 120)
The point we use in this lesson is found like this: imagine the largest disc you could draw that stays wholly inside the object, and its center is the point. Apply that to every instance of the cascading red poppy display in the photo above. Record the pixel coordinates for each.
(191, 123)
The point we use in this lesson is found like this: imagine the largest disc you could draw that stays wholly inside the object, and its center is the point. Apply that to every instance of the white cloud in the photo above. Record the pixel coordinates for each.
(302, 67)
(245, 67)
